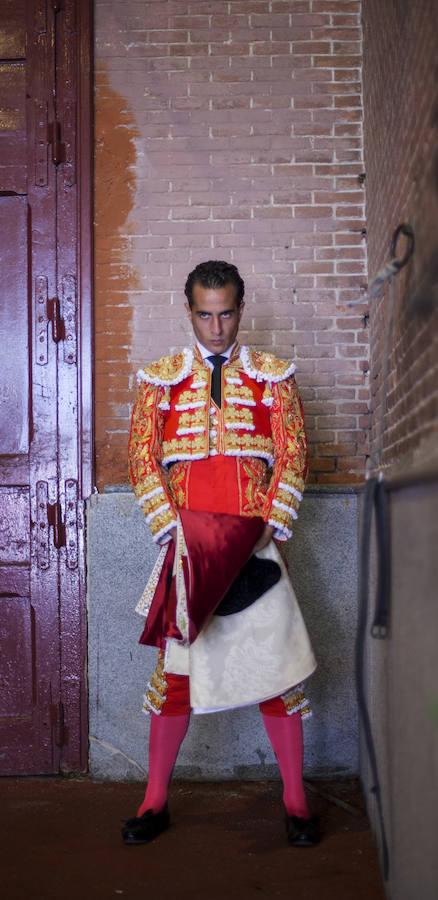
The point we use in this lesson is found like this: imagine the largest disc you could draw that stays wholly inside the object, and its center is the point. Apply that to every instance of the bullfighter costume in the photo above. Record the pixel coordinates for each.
(217, 449)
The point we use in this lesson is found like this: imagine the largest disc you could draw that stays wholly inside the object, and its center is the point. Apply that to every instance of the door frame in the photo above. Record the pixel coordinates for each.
(86, 239)
(85, 162)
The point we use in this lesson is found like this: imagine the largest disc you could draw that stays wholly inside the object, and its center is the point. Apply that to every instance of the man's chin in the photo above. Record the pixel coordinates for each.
(219, 347)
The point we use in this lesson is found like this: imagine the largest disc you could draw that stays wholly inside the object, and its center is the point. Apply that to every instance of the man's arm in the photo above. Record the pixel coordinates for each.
(145, 472)
(290, 458)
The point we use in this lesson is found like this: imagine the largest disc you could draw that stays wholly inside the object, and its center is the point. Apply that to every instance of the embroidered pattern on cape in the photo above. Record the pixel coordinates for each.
(168, 369)
(265, 366)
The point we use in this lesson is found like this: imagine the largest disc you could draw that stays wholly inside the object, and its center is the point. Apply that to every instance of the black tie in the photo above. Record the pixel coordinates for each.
(218, 362)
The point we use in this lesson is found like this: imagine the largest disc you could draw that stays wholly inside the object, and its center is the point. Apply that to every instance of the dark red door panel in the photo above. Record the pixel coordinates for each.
(14, 326)
(45, 391)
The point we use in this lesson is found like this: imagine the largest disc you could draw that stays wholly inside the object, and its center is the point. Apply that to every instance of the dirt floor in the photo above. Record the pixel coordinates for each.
(60, 838)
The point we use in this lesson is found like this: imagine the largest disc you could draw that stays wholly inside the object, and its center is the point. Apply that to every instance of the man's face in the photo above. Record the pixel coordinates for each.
(215, 316)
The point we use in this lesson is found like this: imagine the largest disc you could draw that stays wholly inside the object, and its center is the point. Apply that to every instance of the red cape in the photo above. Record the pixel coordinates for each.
(218, 546)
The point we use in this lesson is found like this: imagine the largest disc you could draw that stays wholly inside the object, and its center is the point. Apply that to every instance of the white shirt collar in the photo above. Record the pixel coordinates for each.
(204, 352)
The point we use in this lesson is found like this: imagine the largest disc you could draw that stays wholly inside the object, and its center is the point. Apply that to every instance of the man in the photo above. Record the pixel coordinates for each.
(217, 449)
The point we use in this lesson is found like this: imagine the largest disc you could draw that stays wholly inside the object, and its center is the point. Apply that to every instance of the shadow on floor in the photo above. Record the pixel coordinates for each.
(61, 840)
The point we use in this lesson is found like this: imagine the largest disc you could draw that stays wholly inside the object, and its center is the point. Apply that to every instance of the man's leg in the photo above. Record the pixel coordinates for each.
(166, 736)
(168, 700)
(285, 733)
(169, 727)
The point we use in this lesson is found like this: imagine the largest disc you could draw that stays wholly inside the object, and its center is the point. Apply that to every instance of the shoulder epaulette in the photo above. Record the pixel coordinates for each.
(168, 369)
(265, 366)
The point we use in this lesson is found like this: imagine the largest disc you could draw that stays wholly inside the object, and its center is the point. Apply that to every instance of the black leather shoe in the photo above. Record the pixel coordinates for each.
(302, 832)
(141, 829)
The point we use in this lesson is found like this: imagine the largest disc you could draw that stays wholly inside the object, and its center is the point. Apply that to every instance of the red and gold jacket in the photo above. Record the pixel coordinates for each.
(175, 419)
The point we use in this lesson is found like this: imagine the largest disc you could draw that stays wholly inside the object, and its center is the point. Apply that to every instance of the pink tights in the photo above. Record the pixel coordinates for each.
(166, 736)
(286, 736)
(284, 732)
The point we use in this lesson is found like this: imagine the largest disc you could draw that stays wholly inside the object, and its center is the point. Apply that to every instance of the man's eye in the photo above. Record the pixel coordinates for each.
(226, 315)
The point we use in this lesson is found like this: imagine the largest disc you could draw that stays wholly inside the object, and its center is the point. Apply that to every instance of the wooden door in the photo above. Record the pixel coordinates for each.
(45, 382)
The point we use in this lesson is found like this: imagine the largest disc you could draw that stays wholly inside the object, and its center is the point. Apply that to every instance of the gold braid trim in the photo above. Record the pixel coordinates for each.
(248, 442)
(290, 452)
(160, 521)
(281, 516)
(265, 366)
(155, 502)
(144, 454)
(293, 479)
(296, 701)
(156, 688)
(233, 414)
(168, 369)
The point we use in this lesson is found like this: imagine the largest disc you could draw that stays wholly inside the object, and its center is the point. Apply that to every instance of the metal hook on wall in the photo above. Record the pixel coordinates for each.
(392, 267)
(408, 231)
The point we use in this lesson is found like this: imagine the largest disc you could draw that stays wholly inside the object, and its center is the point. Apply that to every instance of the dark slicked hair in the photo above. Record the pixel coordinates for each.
(215, 273)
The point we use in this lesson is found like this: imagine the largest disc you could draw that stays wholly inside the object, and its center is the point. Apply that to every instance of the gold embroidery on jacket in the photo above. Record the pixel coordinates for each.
(251, 444)
(189, 421)
(238, 418)
(147, 476)
(290, 465)
(253, 499)
(185, 445)
(287, 498)
(178, 481)
(267, 364)
(229, 430)
(193, 395)
(167, 368)
(235, 393)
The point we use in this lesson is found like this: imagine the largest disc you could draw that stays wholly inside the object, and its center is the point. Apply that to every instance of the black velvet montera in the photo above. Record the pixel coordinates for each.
(256, 577)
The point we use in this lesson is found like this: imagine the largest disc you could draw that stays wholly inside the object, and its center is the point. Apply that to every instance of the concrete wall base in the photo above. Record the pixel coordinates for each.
(322, 558)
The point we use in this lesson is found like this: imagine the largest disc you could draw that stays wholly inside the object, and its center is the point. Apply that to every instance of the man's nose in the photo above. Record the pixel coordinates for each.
(216, 326)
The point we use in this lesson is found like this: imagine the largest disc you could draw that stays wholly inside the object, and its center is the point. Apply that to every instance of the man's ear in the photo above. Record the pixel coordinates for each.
(241, 310)
(187, 309)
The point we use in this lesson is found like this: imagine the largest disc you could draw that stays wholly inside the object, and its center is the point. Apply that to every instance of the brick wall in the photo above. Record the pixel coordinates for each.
(401, 157)
(232, 130)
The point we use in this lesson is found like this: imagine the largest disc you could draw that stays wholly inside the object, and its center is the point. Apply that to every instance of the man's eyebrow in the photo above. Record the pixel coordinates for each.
(207, 312)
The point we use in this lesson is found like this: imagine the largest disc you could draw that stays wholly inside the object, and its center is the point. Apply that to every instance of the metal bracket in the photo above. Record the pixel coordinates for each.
(54, 138)
(69, 120)
(41, 320)
(69, 306)
(40, 113)
(54, 519)
(42, 540)
(54, 316)
(71, 522)
(64, 328)
(57, 717)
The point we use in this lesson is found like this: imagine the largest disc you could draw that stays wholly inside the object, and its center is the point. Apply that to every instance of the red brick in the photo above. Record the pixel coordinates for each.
(392, 169)
(341, 477)
(207, 167)
(322, 465)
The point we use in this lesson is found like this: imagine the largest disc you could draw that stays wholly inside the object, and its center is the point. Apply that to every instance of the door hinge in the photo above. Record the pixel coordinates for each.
(54, 316)
(65, 530)
(59, 312)
(58, 723)
(54, 139)
(54, 519)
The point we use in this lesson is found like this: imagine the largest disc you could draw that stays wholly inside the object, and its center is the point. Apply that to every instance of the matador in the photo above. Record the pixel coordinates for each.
(218, 461)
